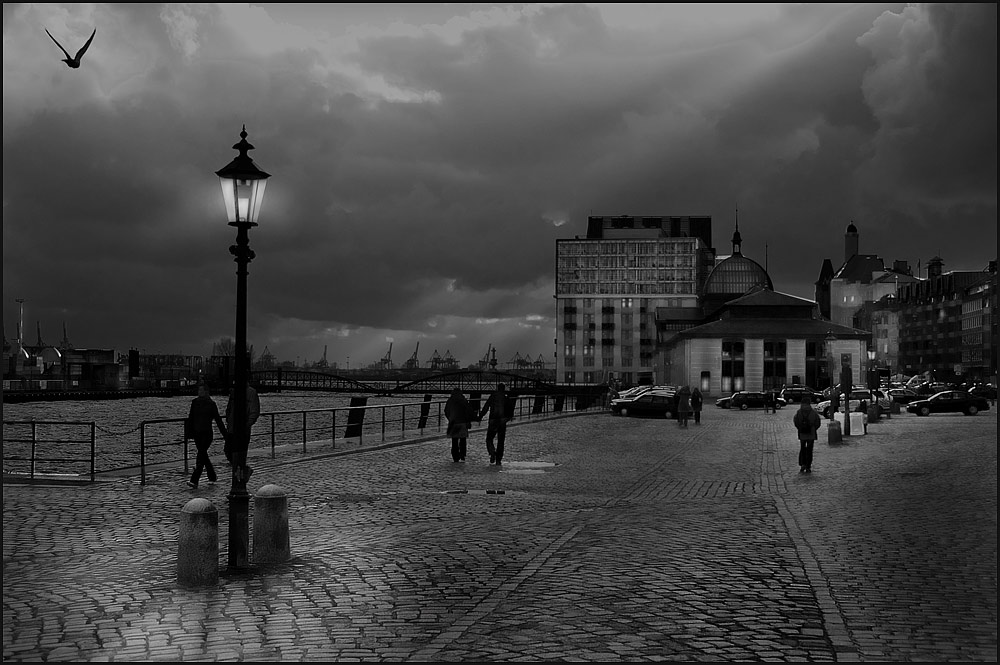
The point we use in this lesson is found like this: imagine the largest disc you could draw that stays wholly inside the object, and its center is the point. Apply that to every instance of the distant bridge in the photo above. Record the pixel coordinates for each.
(468, 381)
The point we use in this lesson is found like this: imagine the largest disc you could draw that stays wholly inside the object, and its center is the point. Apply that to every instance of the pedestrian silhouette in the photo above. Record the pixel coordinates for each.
(73, 62)
(460, 415)
(203, 414)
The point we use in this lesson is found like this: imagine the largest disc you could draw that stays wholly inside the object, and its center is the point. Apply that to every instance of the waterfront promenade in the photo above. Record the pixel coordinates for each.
(600, 539)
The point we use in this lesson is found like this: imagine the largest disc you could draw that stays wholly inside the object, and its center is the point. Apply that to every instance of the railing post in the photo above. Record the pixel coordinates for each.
(93, 451)
(272, 427)
(333, 428)
(303, 431)
(33, 436)
(142, 453)
(402, 424)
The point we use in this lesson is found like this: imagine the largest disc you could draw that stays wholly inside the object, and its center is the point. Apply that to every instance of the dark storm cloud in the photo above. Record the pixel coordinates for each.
(423, 169)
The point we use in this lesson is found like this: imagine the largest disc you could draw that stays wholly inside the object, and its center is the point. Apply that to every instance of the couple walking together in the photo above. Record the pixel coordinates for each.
(204, 413)
(460, 415)
(688, 402)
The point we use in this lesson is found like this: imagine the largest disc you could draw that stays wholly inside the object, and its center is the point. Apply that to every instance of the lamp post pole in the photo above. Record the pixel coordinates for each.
(239, 497)
(243, 190)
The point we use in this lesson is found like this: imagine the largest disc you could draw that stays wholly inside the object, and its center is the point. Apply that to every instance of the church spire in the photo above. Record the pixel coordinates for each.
(737, 239)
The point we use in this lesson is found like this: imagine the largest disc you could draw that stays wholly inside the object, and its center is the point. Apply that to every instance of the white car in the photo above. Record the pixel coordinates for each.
(857, 396)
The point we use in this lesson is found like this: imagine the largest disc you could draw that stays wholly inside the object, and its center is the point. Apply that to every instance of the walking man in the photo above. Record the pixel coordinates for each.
(500, 412)
(203, 414)
(683, 399)
(807, 422)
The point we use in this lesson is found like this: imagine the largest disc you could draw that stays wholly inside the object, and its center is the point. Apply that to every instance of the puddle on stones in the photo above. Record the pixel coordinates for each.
(526, 467)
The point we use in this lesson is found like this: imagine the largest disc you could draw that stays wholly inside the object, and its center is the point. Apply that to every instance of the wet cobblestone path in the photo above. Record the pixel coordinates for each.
(600, 539)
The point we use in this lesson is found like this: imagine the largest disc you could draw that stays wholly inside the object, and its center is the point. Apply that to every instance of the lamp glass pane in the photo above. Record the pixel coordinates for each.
(256, 199)
(229, 197)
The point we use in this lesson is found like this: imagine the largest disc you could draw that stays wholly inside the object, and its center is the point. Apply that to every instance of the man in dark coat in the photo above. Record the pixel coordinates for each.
(203, 414)
(806, 422)
(500, 411)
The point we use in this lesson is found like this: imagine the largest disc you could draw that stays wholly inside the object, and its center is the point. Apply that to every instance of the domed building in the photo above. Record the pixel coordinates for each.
(733, 277)
(753, 338)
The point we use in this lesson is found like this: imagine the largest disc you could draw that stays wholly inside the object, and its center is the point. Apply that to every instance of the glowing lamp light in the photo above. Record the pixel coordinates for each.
(242, 185)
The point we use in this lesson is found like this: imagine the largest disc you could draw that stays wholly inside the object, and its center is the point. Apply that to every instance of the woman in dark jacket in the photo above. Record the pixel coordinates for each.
(459, 414)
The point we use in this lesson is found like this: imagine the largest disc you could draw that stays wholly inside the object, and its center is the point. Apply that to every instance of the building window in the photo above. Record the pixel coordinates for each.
(706, 382)
(774, 363)
(816, 365)
(733, 361)
(626, 303)
(569, 377)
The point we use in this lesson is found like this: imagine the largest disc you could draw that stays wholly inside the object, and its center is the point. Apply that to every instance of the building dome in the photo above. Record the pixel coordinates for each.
(737, 275)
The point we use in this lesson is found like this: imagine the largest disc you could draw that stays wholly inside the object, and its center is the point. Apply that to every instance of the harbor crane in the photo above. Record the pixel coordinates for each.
(386, 362)
(413, 362)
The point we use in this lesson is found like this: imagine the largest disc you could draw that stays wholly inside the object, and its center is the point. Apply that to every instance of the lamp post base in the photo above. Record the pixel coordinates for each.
(239, 529)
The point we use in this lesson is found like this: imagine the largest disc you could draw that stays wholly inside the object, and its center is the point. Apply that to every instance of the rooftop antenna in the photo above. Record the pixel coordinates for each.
(20, 322)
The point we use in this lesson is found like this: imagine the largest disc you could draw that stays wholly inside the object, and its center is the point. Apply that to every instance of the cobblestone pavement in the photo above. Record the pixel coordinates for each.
(600, 538)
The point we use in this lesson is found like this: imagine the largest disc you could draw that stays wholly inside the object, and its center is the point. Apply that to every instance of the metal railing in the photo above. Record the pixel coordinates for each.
(28, 454)
(162, 440)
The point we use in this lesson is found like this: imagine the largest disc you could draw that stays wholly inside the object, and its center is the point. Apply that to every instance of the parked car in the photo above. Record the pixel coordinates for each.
(903, 395)
(723, 402)
(635, 391)
(933, 387)
(751, 399)
(795, 392)
(858, 395)
(984, 390)
(949, 401)
(656, 403)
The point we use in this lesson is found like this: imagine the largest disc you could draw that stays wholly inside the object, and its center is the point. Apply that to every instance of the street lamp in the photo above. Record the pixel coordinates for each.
(832, 371)
(872, 370)
(243, 191)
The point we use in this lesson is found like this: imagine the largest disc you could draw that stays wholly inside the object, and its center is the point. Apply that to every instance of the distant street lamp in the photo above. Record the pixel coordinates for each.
(872, 369)
(243, 191)
(832, 371)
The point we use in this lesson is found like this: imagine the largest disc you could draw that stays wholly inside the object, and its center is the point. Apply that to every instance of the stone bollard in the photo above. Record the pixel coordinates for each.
(872, 413)
(894, 408)
(833, 434)
(270, 525)
(198, 544)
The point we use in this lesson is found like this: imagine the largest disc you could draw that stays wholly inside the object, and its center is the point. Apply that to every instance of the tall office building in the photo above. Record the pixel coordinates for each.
(611, 285)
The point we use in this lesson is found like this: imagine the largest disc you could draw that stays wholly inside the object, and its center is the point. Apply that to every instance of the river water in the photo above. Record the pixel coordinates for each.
(122, 439)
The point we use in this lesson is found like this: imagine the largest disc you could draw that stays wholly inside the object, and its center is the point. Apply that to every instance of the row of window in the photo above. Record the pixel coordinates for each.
(638, 288)
(571, 275)
(633, 247)
(618, 261)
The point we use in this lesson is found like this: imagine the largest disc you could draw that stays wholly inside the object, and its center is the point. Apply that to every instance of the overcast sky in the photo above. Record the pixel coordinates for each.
(425, 158)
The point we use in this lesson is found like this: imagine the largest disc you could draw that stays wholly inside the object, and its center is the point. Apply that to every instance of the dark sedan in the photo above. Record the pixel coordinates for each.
(949, 401)
(796, 393)
(749, 399)
(655, 403)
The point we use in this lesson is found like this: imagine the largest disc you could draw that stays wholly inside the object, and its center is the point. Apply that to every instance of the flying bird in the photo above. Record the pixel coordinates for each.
(73, 63)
